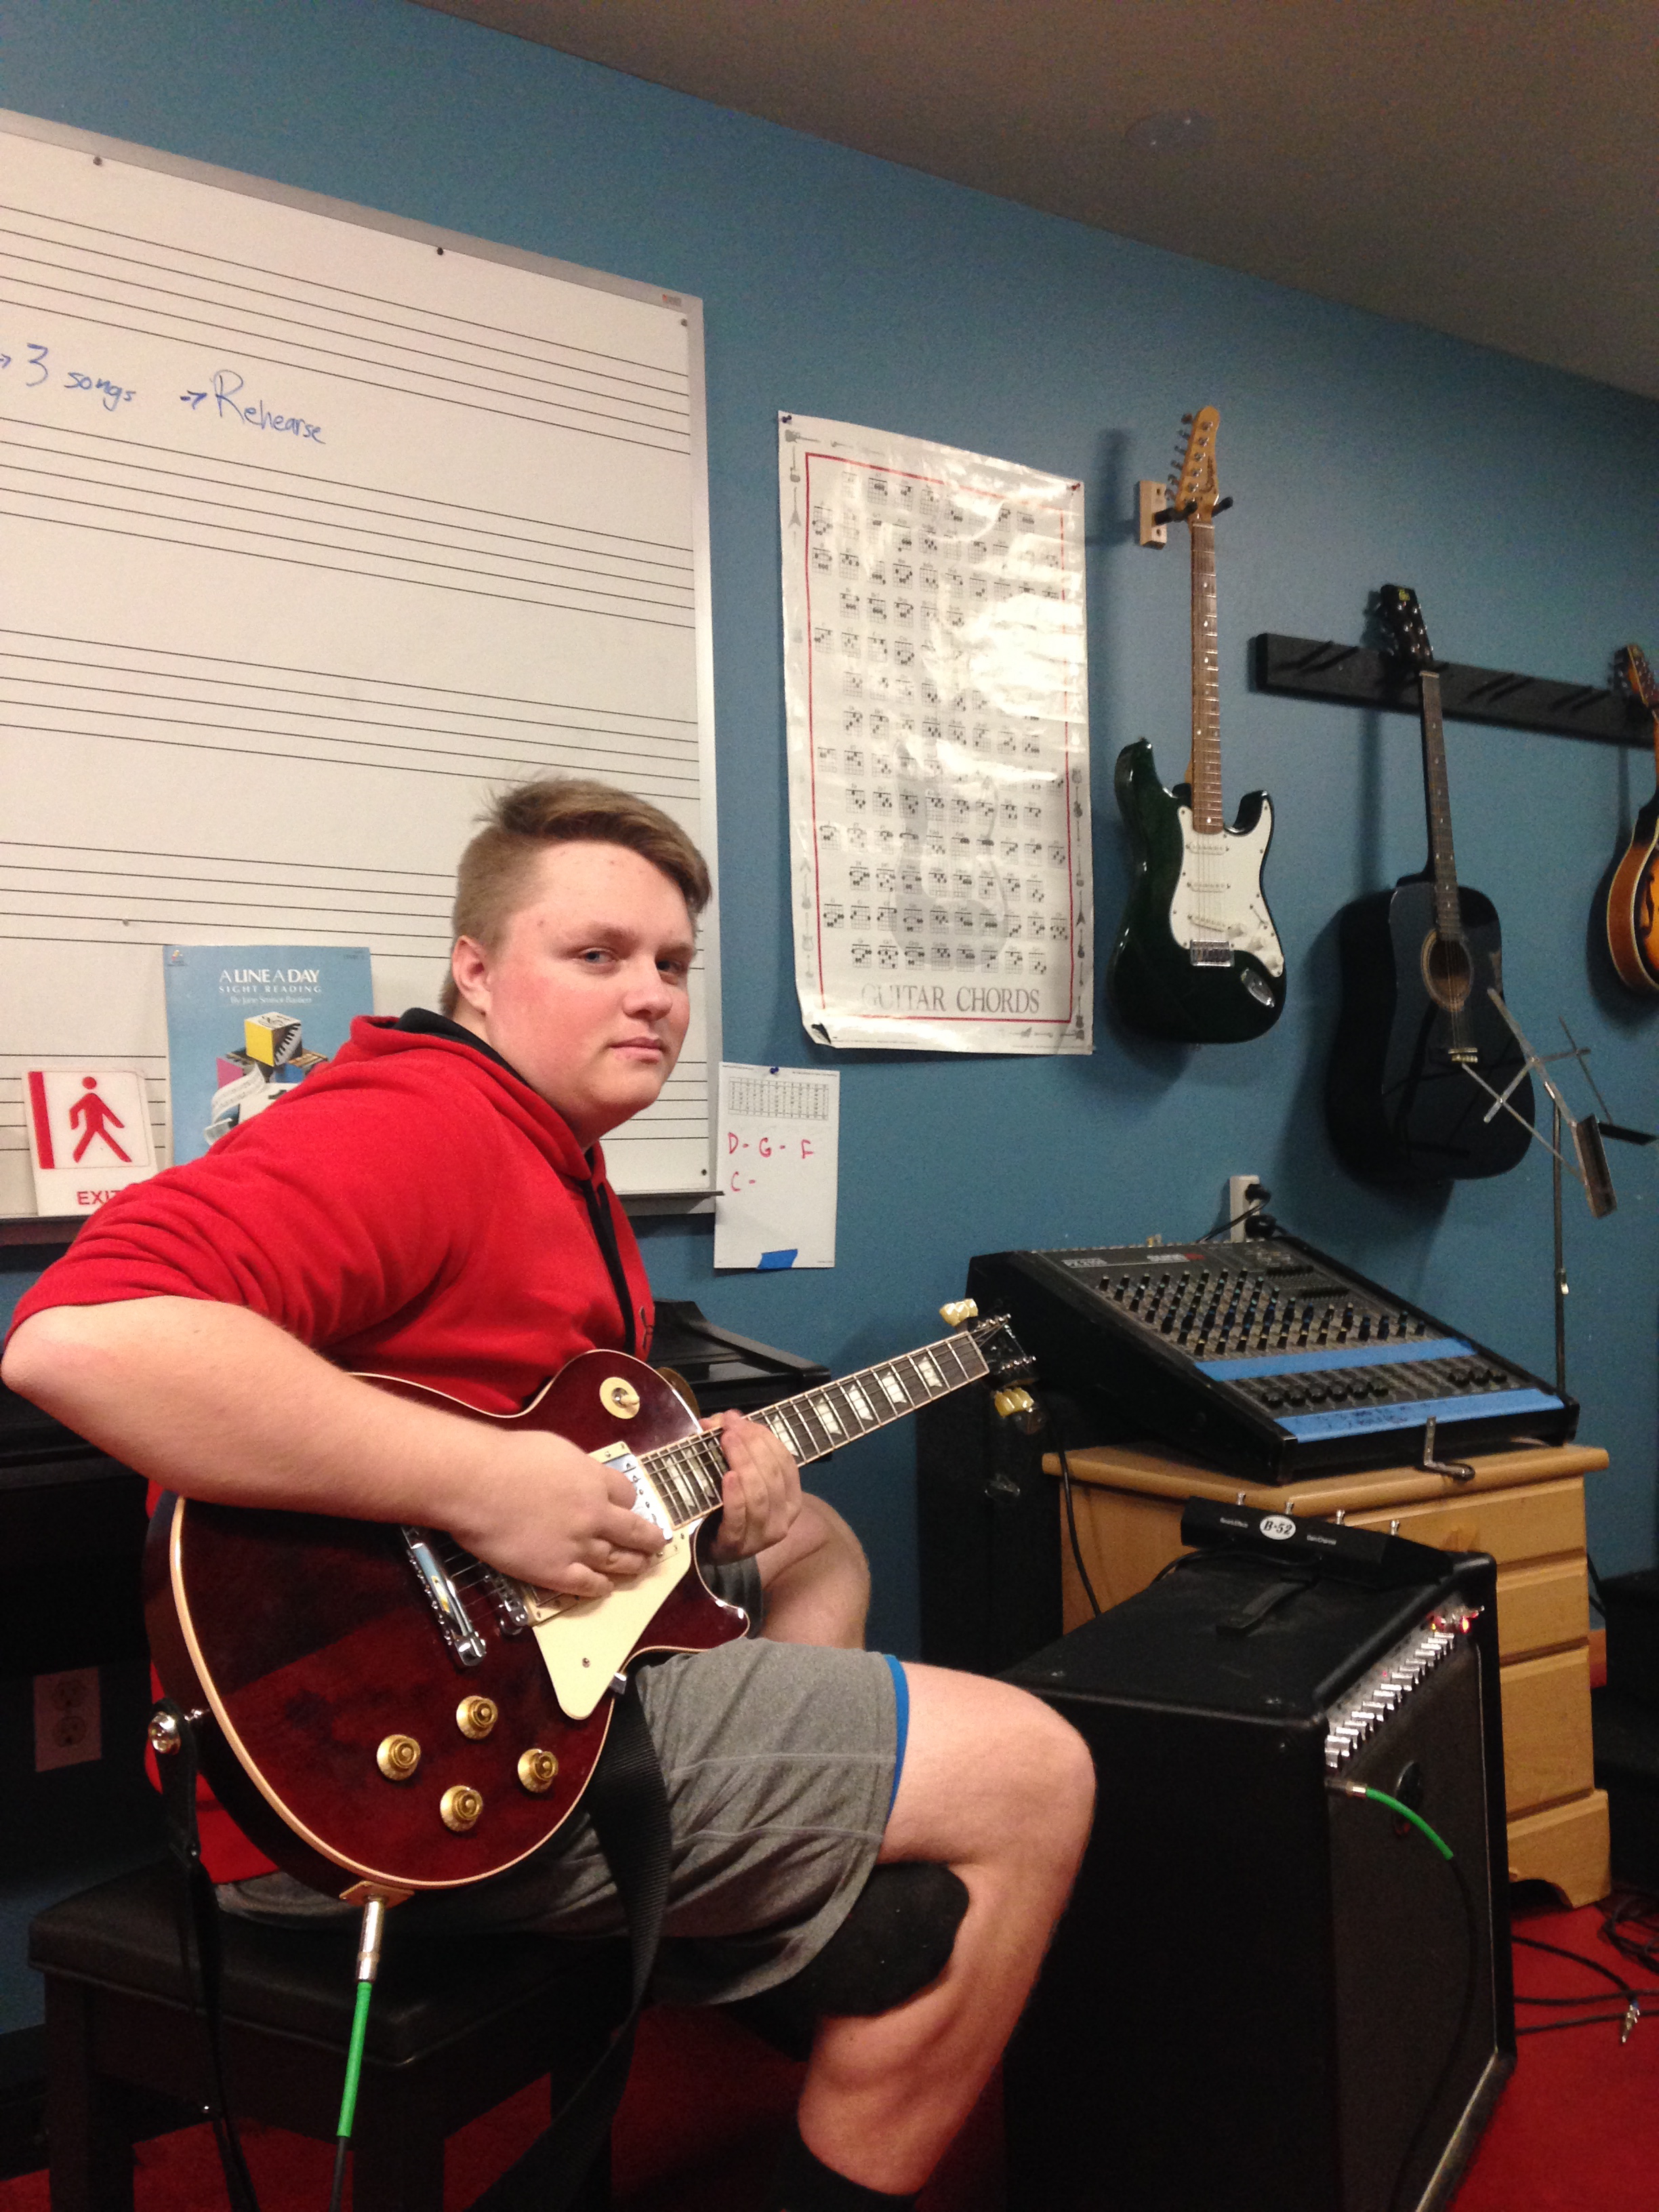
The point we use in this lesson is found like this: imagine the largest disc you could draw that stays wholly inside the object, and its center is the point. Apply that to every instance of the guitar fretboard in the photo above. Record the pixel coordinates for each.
(1207, 687)
(688, 1476)
(1436, 792)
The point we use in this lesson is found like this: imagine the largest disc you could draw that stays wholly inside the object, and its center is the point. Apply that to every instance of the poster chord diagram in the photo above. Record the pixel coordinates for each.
(935, 686)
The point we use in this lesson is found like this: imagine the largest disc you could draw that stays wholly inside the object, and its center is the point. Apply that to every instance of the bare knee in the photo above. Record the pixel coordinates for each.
(990, 1773)
(817, 1580)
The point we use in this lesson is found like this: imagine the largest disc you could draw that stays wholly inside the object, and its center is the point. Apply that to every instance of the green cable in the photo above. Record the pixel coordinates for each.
(360, 2030)
(1405, 1813)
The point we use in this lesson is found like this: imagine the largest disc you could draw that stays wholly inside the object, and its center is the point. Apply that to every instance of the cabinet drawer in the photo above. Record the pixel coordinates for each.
(1526, 1523)
(1548, 1752)
(1541, 1606)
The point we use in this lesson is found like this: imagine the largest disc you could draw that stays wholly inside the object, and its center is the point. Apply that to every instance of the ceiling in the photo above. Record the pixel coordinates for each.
(1487, 168)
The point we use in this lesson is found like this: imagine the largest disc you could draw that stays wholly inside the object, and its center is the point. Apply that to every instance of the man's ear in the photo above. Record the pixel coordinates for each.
(469, 963)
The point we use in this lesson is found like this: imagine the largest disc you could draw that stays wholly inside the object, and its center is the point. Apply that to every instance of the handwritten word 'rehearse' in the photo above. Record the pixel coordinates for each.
(225, 395)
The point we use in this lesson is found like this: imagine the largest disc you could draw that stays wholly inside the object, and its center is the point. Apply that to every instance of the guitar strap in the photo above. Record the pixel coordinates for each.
(196, 1909)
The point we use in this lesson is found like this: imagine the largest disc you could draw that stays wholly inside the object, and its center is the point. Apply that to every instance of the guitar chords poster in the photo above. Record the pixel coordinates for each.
(935, 686)
(317, 527)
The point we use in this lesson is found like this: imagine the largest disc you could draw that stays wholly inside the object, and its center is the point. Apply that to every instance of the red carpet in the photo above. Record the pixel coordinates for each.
(698, 2131)
(1578, 2130)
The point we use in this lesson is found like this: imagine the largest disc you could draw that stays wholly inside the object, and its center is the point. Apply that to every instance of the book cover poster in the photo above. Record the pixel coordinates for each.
(247, 1024)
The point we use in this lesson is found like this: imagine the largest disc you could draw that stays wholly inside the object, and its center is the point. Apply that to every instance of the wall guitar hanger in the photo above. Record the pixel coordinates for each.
(1354, 676)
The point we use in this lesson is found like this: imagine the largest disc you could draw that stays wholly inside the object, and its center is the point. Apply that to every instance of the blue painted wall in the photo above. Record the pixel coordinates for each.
(1517, 501)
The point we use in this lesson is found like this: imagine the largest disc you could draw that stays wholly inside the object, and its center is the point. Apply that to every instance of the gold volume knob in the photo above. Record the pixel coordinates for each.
(476, 1716)
(397, 1757)
(459, 1808)
(538, 1771)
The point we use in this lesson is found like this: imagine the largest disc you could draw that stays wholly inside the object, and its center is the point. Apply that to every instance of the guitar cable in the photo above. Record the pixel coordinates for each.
(368, 1965)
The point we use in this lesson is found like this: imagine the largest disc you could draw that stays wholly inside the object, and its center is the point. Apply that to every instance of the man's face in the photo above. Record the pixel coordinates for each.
(585, 994)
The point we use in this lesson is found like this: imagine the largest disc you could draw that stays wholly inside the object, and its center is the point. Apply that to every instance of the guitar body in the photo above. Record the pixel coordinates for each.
(1632, 915)
(1190, 887)
(1400, 1109)
(306, 1641)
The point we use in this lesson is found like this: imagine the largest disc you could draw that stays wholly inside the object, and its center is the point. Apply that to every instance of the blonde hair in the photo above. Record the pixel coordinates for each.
(491, 880)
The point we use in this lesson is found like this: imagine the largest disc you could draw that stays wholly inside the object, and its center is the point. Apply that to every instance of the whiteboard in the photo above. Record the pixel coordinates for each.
(318, 526)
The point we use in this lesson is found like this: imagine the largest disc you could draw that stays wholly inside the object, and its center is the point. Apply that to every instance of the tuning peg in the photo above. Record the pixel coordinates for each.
(1185, 418)
(1020, 1408)
(958, 1310)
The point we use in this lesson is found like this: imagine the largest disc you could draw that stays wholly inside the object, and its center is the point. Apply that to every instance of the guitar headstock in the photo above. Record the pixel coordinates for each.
(1638, 674)
(1007, 1359)
(1404, 617)
(1192, 493)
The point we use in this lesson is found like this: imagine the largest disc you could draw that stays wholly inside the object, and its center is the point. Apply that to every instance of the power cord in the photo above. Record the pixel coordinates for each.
(1070, 1514)
(1635, 1908)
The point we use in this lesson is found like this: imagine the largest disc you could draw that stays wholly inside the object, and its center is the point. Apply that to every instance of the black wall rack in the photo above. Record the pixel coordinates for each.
(1353, 676)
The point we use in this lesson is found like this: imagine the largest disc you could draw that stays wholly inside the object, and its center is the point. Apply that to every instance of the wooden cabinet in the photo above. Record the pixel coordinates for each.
(1524, 1506)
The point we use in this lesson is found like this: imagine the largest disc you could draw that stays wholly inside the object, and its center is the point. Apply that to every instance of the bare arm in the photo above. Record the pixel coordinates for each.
(221, 1404)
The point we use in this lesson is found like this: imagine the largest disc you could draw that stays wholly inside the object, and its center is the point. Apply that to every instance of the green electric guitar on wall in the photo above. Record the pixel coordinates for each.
(1197, 957)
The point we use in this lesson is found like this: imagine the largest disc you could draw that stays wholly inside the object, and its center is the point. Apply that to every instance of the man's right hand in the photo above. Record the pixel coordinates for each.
(547, 1513)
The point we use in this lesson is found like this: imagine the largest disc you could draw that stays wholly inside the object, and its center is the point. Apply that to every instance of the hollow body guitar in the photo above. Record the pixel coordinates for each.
(378, 1707)
(1418, 965)
(1197, 956)
(1632, 912)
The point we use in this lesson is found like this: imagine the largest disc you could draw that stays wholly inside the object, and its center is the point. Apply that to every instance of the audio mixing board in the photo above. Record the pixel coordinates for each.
(1266, 1357)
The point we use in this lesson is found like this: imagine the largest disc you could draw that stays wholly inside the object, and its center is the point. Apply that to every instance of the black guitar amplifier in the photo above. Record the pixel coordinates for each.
(1269, 1994)
(1267, 1357)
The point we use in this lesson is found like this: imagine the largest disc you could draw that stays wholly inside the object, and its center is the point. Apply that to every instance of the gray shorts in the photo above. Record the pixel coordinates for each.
(779, 1762)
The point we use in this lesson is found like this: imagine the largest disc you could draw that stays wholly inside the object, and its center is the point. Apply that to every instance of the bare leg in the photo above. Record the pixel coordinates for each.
(996, 1785)
(817, 1581)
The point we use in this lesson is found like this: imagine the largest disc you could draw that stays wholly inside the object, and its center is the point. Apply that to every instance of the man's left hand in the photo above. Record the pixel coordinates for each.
(762, 1491)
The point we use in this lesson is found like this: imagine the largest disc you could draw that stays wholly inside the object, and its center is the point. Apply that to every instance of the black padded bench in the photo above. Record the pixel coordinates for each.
(457, 2026)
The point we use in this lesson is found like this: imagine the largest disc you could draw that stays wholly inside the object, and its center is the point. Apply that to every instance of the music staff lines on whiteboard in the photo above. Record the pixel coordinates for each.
(231, 325)
(672, 729)
(339, 516)
(308, 290)
(25, 502)
(654, 778)
(64, 236)
(280, 494)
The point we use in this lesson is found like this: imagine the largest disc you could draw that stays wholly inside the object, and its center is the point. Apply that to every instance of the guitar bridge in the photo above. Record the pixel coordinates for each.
(1209, 953)
(466, 1646)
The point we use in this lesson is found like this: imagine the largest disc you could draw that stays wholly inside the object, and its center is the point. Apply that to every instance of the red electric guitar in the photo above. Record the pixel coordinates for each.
(378, 1708)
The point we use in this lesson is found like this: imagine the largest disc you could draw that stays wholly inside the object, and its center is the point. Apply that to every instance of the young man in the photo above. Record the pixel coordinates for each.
(434, 1205)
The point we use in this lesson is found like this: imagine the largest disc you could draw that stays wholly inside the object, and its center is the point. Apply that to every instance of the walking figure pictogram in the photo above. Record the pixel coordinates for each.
(100, 1117)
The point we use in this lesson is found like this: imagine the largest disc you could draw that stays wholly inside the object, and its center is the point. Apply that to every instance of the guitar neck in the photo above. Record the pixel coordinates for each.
(1443, 860)
(1205, 766)
(688, 1476)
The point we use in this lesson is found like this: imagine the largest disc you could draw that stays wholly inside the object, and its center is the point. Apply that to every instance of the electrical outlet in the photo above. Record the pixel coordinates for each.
(1245, 1196)
(1151, 499)
(67, 1719)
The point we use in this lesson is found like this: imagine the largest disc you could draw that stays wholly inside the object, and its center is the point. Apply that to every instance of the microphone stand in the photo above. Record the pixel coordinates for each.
(1588, 1164)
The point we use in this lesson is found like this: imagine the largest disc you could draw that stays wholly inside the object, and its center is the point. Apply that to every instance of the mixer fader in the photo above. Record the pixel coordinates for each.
(1266, 1355)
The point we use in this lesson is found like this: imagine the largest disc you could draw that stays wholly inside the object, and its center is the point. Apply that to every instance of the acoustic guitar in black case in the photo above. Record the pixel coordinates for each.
(1418, 965)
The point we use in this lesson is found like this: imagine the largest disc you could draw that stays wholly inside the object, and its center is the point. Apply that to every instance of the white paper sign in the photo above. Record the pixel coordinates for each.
(779, 1132)
(89, 1135)
(935, 686)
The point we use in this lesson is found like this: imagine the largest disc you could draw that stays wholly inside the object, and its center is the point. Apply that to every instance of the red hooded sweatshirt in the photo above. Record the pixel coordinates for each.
(415, 1208)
